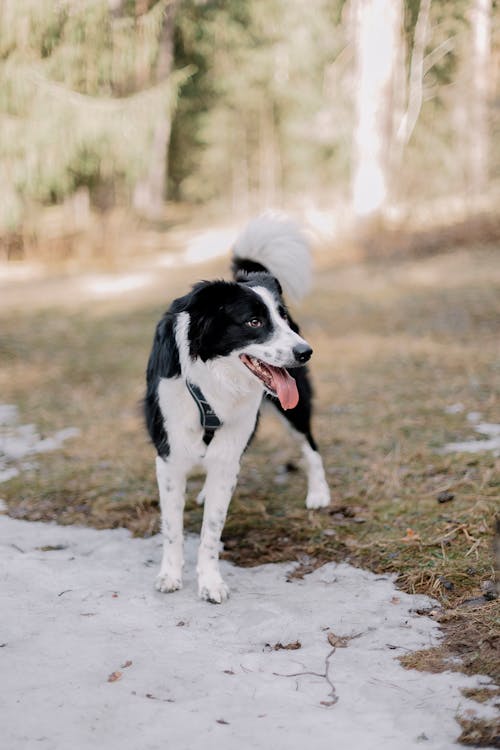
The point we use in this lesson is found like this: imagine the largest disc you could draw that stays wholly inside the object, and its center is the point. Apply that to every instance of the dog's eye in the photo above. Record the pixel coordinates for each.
(254, 323)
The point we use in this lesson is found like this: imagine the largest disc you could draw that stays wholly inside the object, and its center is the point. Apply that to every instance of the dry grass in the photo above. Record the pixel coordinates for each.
(396, 342)
(471, 633)
(479, 733)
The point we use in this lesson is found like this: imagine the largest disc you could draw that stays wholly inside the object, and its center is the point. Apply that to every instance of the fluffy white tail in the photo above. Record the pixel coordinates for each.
(278, 244)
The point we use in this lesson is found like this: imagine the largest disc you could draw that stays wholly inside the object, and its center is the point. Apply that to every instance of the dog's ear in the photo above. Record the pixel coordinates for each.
(206, 308)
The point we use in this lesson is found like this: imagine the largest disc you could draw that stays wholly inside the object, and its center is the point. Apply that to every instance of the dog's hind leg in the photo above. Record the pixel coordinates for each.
(318, 492)
(171, 486)
(218, 490)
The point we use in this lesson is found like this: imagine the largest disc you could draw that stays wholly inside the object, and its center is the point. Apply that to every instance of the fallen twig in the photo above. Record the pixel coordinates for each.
(337, 642)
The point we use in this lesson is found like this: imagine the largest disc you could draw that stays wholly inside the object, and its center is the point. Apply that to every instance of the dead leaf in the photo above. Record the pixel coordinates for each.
(395, 600)
(285, 647)
(411, 536)
(115, 676)
(338, 641)
(128, 663)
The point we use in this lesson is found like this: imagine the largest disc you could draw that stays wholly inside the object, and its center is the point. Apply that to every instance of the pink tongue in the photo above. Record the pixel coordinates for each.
(285, 386)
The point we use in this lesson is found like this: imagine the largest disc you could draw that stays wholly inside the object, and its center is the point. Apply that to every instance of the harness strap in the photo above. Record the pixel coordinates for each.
(208, 418)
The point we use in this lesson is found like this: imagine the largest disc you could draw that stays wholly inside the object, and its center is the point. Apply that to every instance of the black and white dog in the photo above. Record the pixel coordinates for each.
(217, 351)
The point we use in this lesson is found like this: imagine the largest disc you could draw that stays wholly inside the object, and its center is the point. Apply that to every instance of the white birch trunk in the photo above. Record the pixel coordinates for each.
(377, 45)
(479, 143)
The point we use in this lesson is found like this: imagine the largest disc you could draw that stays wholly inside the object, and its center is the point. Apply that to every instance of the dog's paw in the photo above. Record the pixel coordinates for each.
(166, 583)
(212, 588)
(318, 498)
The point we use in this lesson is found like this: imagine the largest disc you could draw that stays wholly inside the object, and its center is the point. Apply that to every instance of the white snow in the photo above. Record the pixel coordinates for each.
(109, 284)
(17, 441)
(204, 676)
(456, 408)
(489, 429)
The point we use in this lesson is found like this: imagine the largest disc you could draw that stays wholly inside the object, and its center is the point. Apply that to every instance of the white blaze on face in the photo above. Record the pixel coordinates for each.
(269, 359)
(277, 350)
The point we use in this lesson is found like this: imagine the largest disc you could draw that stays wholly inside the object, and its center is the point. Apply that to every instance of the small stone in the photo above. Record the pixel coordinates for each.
(489, 590)
(448, 585)
(445, 497)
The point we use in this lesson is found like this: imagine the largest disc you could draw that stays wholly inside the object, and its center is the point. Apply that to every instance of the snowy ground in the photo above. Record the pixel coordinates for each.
(92, 656)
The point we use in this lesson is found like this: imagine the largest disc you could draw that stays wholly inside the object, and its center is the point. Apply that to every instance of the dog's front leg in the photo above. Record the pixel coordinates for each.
(172, 487)
(218, 490)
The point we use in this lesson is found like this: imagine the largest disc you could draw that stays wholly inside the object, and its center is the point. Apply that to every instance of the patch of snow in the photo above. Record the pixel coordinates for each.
(104, 285)
(6, 474)
(11, 271)
(489, 428)
(18, 441)
(474, 416)
(454, 408)
(170, 260)
(9, 414)
(478, 446)
(78, 605)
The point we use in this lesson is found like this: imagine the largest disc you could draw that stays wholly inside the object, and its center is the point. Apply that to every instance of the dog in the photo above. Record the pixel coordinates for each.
(216, 353)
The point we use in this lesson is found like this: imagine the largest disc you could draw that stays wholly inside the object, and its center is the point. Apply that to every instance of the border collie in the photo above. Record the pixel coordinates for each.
(217, 352)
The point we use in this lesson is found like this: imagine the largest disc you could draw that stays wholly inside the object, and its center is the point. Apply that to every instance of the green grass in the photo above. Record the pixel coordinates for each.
(395, 343)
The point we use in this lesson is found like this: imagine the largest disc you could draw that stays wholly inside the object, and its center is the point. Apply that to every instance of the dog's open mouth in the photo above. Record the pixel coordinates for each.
(276, 379)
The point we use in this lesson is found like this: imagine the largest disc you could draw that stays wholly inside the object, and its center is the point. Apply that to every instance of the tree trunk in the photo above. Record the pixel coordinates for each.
(479, 143)
(378, 33)
(268, 157)
(416, 82)
(149, 192)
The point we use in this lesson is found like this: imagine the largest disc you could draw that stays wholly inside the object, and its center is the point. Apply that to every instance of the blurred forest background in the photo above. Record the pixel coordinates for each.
(120, 114)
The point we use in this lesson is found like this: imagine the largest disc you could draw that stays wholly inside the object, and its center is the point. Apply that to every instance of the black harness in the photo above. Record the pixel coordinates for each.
(209, 420)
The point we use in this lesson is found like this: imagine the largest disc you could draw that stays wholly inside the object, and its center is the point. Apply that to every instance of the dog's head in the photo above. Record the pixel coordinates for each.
(247, 320)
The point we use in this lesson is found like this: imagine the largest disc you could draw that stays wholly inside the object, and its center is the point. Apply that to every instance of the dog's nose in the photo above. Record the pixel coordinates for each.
(302, 353)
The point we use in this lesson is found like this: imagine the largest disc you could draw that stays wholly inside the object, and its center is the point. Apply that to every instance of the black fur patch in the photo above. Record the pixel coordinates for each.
(163, 363)
(265, 279)
(247, 266)
(220, 313)
(300, 416)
